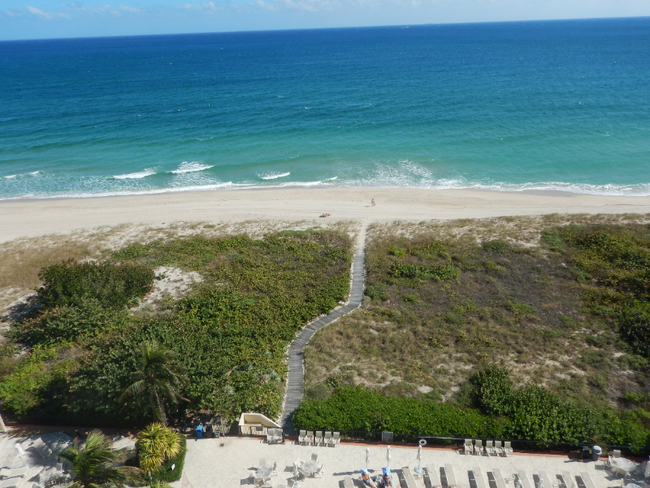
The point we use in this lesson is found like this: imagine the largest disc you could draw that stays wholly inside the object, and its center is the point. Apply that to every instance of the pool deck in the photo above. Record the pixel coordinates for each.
(230, 461)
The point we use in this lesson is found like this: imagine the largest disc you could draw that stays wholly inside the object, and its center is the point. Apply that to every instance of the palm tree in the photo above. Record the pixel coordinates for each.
(156, 444)
(93, 466)
(156, 380)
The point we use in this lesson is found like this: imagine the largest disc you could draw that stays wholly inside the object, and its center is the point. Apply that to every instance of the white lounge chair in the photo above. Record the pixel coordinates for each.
(617, 453)
(523, 479)
(347, 483)
(318, 438)
(434, 477)
(498, 479)
(498, 450)
(302, 438)
(568, 480)
(319, 472)
(310, 437)
(328, 439)
(450, 475)
(336, 438)
(507, 448)
(478, 478)
(478, 447)
(408, 478)
(489, 448)
(469, 447)
(586, 479)
(13, 473)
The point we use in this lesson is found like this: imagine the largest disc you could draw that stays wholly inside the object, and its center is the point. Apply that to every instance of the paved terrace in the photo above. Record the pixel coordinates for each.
(228, 462)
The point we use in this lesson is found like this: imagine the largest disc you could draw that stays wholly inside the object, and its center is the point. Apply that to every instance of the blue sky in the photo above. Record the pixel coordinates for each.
(42, 19)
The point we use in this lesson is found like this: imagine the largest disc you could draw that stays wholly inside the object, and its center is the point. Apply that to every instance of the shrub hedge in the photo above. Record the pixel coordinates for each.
(166, 473)
(112, 285)
(501, 411)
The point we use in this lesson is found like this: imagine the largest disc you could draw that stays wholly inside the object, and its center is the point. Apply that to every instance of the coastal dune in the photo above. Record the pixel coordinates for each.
(32, 218)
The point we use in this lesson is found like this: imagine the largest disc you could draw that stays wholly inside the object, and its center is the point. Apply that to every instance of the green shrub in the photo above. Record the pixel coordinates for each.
(497, 246)
(378, 291)
(70, 283)
(356, 409)
(166, 473)
(635, 326)
(397, 251)
(68, 323)
(436, 272)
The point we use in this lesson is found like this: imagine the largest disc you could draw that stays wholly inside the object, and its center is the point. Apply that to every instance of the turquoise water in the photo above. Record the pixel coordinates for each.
(557, 105)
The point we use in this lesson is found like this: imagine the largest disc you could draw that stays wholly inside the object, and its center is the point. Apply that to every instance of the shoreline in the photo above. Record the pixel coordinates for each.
(33, 218)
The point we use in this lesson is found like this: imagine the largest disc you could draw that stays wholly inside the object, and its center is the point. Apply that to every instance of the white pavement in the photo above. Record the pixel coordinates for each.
(229, 462)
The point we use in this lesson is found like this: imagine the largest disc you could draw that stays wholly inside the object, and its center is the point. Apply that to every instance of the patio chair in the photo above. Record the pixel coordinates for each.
(469, 447)
(302, 438)
(319, 472)
(478, 446)
(314, 456)
(328, 439)
(617, 453)
(498, 450)
(310, 437)
(489, 448)
(336, 438)
(507, 448)
(270, 435)
(318, 439)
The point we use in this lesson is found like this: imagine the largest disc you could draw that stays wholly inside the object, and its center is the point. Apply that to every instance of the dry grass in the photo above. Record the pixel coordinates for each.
(431, 338)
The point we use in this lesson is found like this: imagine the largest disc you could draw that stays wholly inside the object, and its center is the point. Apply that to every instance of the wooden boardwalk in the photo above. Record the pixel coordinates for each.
(296, 365)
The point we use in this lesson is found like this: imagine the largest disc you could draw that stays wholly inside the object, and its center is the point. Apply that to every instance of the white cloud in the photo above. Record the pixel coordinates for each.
(45, 15)
(12, 13)
(102, 10)
(206, 7)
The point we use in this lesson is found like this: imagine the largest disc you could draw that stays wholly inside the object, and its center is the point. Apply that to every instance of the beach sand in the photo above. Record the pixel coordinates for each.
(32, 218)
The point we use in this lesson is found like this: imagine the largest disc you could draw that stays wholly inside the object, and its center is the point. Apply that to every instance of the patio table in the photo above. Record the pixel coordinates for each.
(624, 464)
(310, 467)
(265, 471)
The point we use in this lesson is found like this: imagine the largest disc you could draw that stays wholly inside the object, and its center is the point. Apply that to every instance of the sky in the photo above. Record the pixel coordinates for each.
(44, 19)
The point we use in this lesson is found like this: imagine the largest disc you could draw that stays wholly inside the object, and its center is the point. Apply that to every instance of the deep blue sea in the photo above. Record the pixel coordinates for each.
(554, 105)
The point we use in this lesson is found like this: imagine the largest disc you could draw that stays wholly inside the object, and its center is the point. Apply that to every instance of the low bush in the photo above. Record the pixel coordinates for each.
(112, 285)
(172, 469)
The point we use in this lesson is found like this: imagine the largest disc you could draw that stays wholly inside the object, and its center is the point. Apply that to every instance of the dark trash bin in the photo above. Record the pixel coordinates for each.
(596, 451)
(199, 432)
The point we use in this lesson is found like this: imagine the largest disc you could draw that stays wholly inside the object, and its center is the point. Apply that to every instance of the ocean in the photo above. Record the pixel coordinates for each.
(543, 105)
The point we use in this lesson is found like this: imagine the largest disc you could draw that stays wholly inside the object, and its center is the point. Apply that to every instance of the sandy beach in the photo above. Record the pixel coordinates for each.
(31, 218)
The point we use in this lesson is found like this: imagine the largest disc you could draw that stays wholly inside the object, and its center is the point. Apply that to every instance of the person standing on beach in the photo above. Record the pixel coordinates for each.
(373, 202)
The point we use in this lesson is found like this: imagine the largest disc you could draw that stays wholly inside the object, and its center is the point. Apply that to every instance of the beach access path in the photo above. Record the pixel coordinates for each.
(295, 377)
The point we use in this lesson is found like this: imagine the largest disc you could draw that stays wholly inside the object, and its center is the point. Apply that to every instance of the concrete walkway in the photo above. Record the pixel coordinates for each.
(296, 365)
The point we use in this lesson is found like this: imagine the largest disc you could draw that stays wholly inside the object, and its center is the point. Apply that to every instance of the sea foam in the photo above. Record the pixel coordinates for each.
(191, 167)
(136, 176)
(273, 176)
